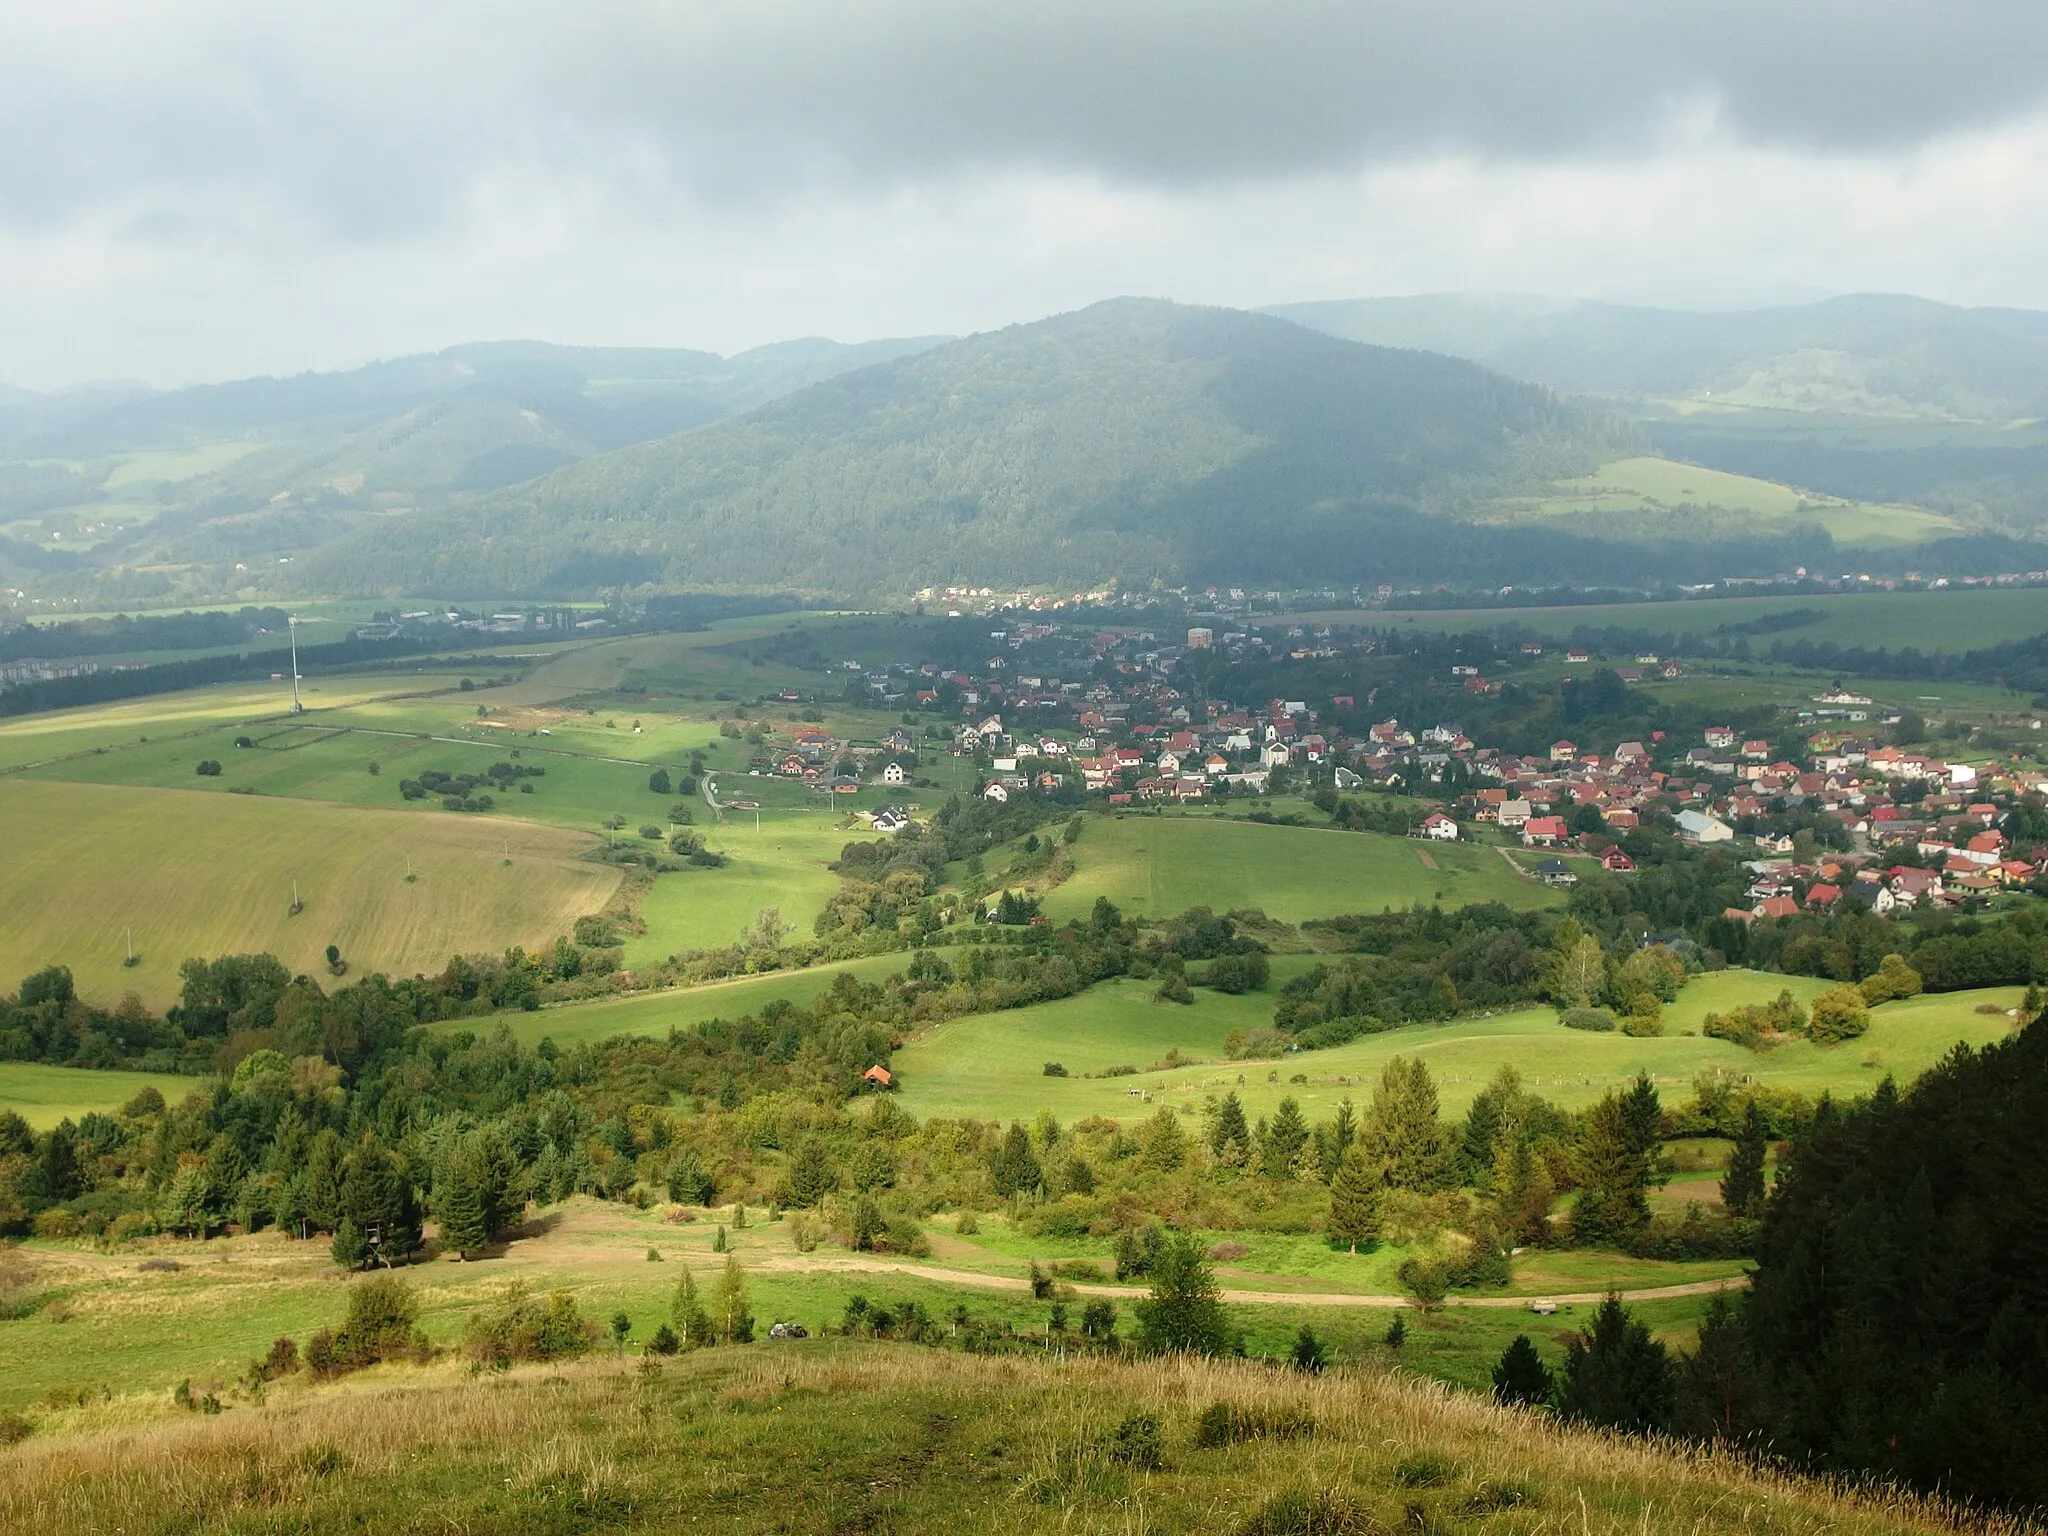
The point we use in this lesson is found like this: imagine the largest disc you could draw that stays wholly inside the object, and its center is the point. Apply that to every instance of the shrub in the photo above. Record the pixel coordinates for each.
(663, 1341)
(1838, 1014)
(1223, 1424)
(523, 1327)
(209, 768)
(14, 1429)
(1598, 1020)
(382, 1324)
(1309, 1514)
(1055, 1069)
(1758, 1026)
(1138, 1441)
(1893, 978)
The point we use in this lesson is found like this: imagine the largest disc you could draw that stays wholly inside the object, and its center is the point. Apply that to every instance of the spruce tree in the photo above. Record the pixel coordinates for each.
(1616, 1375)
(811, 1174)
(1613, 1199)
(1643, 1115)
(1355, 1199)
(1184, 1313)
(1230, 1139)
(1521, 1379)
(460, 1210)
(348, 1247)
(1718, 1395)
(1402, 1130)
(494, 1170)
(1283, 1141)
(1013, 1167)
(1742, 1189)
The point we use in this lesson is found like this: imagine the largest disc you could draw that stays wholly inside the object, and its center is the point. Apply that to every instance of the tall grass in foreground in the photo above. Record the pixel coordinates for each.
(831, 1436)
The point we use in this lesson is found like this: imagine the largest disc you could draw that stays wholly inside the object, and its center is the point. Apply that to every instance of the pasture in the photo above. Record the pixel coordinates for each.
(992, 1065)
(1950, 620)
(1654, 485)
(1157, 866)
(43, 1095)
(204, 874)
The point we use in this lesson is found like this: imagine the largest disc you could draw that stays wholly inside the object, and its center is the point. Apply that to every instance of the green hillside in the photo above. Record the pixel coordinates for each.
(1133, 437)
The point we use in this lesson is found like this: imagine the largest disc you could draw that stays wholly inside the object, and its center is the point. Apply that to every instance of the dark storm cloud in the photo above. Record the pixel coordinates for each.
(371, 119)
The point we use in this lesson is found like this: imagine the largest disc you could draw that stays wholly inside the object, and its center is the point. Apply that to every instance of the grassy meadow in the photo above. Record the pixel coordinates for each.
(827, 1434)
(993, 1065)
(188, 873)
(43, 1095)
(1157, 866)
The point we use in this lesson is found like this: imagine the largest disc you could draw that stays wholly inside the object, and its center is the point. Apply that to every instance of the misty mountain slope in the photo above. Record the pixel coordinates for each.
(1134, 438)
(1875, 354)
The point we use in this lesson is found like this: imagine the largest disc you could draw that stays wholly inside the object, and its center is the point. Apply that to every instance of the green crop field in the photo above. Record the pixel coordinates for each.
(1654, 485)
(43, 1095)
(992, 1065)
(1951, 620)
(203, 874)
(1156, 866)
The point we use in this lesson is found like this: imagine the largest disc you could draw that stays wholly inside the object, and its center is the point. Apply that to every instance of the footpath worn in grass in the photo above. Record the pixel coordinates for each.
(1157, 866)
(993, 1065)
(200, 874)
(826, 1435)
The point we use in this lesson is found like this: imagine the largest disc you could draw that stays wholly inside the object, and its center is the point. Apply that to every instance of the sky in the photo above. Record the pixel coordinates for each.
(203, 189)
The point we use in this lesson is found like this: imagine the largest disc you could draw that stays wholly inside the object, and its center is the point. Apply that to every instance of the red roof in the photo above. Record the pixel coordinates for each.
(879, 1076)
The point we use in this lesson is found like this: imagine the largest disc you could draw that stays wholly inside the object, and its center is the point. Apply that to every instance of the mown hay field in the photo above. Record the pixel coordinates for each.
(188, 873)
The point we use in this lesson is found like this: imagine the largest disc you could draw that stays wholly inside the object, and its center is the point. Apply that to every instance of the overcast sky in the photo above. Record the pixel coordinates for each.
(200, 189)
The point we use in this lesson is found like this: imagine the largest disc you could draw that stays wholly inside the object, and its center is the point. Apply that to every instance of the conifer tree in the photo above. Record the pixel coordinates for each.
(348, 1247)
(1230, 1139)
(1617, 1375)
(1717, 1386)
(460, 1210)
(1013, 1167)
(1184, 1313)
(1401, 1128)
(1742, 1189)
(811, 1174)
(1521, 1379)
(1283, 1141)
(1355, 1199)
(1612, 1184)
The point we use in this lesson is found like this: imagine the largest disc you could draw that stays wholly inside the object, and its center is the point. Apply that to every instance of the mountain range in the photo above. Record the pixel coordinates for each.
(1428, 439)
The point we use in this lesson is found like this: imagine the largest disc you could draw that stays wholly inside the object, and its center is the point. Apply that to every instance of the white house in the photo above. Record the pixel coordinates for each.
(1440, 827)
(1695, 827)
(1514, 813)
(892, 773)
(995, 792)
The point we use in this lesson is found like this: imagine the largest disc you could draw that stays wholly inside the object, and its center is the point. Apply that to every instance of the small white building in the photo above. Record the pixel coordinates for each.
(1440, 827)
(893, 773)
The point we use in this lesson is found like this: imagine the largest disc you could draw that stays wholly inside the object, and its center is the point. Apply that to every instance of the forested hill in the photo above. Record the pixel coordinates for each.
(1134, 438)
(1881, 354)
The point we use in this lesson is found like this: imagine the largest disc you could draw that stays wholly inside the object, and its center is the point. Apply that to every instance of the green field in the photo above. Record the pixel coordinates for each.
(187, 873)
(43, 1095)
(1951, 620)
(654, 1014)
(1653, 485)
(992, 1065)
(1156, 866)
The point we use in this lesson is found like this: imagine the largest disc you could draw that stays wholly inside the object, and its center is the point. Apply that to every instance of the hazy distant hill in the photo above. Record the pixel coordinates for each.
(1865, 353)
(1134, 438)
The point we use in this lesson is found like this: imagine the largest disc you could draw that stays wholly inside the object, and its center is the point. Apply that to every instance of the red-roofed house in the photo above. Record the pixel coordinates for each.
(1543, 831)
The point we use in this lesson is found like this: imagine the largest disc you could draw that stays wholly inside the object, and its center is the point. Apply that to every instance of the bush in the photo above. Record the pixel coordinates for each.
(1138, 1441)
(1758, 1026)
(1054, 1069)
(1893, 978)
(650, 831)
(382, 1324)
(208, 768)
(1838, 1014)
(1598, 1020)
(523, 1327)
(1223, 1424)
(1310, 1514)
(595, 931)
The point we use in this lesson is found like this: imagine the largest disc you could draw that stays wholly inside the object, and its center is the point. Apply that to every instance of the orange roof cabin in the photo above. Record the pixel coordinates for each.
(878, 1077)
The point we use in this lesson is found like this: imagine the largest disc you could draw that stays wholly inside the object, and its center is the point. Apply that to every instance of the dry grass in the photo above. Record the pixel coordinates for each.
(830, 1436)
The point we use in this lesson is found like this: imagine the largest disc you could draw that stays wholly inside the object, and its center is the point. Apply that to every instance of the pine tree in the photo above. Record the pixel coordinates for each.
(693, 1323)
(1616, 1375)
(348, 1248)
(1522, 1379)
(460, 1209)
(1742, 1189)
(1522, 1189)
(1643, 1115)
(1013, 1167)
(494, 1170)
(1355, 1196)
(1309, 1352)
(1717, 1387)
